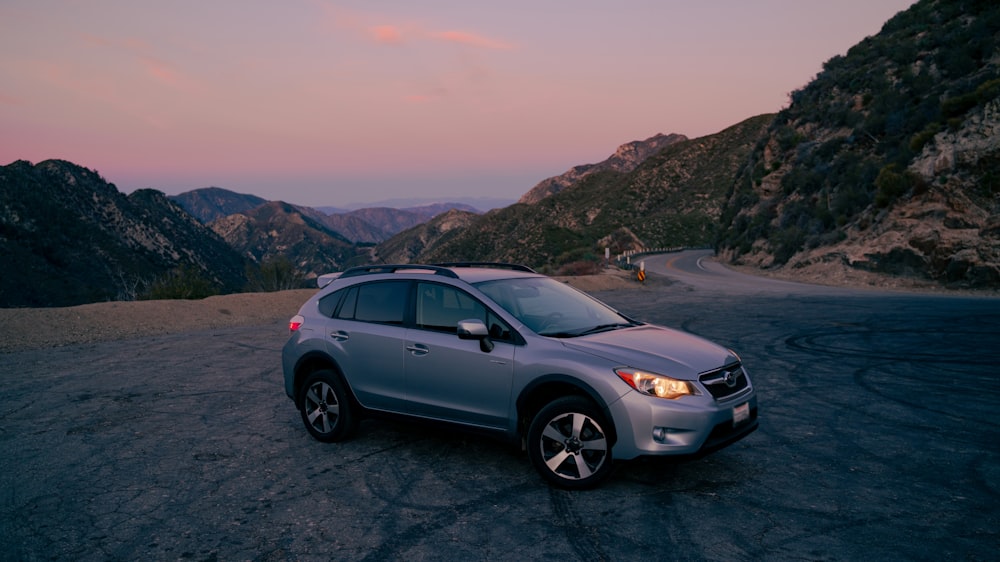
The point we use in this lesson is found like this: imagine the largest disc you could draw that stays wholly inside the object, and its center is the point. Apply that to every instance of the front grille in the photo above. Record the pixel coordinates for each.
(726, 382)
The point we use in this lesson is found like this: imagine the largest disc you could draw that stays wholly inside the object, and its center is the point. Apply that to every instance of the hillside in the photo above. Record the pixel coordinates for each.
(673, 197)
(624, 160)
(277, 230)
(887, 162)
(68, 237)
(410, 244)
(210, 203)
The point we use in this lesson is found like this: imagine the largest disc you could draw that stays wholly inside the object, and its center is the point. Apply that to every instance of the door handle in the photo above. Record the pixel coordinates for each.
(417, 349)
(339, 335)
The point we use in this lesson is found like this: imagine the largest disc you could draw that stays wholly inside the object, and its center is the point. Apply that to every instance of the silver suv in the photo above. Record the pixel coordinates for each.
(500, 348)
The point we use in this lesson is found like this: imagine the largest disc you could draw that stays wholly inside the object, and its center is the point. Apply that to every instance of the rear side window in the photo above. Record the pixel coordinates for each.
(381, 302)
(328, 304)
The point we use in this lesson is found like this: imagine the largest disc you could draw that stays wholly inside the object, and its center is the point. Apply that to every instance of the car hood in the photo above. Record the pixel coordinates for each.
(654, 348)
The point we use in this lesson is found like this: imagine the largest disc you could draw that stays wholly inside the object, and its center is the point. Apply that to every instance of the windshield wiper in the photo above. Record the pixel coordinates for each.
(605, 328)
(588, 331)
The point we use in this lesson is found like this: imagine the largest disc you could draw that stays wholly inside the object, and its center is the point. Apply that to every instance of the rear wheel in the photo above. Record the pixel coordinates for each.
(326, 407)
(568, 443)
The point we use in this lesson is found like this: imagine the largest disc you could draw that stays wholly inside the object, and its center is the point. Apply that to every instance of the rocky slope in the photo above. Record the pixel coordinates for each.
(624, 160)
(889, 161)
(69, 237)
(210, 203)
(277, 230)
(671, 198)
(407, 246)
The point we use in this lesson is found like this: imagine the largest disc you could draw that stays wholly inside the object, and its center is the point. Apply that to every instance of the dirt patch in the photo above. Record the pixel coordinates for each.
(33, 328)
(838, 275)
(609, 280)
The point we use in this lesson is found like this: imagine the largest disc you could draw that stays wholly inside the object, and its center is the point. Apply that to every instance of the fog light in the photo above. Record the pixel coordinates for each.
(660, 434)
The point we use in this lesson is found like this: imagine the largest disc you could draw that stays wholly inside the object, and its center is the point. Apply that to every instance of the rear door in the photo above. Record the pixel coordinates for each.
(366, 336)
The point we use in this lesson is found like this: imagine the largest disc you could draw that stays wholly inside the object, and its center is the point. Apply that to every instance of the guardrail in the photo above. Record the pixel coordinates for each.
(628, 260)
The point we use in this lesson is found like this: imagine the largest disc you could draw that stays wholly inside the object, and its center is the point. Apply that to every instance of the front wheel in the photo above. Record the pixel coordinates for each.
(326, 407)
(568, 443)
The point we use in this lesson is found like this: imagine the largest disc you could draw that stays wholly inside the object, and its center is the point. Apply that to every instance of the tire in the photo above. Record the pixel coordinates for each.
(326, 407)
(568, 443)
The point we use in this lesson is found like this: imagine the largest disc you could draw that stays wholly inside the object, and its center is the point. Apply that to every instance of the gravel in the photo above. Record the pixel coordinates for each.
(33, 328)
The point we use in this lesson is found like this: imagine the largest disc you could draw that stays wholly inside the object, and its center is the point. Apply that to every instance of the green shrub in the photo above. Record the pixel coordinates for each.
(580, 268)
(182, 282)
(923, 137)
(890, 185)
(277, 274)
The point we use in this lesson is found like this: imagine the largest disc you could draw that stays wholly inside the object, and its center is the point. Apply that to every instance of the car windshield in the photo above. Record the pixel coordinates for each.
(550, 308)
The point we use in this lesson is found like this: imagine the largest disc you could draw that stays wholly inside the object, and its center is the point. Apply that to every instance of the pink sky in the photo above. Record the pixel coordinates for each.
(333, 102)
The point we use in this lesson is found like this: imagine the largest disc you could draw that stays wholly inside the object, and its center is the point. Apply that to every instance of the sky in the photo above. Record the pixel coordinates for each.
(328, 103)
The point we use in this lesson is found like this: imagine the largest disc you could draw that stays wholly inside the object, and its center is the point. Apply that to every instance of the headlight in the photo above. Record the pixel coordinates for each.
(656, 385)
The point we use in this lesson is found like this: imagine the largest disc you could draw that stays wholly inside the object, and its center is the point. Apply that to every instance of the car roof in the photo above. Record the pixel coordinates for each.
(470, 272)
(473, 275)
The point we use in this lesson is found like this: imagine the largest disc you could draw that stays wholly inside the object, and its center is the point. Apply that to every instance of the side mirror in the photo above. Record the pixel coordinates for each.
(474, 329)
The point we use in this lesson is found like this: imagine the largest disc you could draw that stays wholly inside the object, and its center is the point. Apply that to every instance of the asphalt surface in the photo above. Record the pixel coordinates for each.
(879, 439)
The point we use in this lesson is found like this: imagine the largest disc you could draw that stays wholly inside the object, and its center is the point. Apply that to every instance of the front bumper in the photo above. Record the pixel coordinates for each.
(687, 426)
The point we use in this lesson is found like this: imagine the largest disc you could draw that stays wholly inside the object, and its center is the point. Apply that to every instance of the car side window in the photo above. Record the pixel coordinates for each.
(380, 302)
(440, 307)
(348, 304)
(328, 304)
(499, 330)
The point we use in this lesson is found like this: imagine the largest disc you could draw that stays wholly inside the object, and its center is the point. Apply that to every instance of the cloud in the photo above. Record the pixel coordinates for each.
(158, 69)
(407, 32)
(470, 39)
(386, 34)
(162, 71)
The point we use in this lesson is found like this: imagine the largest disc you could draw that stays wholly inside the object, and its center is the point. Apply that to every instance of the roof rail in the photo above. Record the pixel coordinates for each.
(488, 264)
(393, 268)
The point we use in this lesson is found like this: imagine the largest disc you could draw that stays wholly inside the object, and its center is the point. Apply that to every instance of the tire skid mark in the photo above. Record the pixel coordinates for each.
(396, 545)
(864, 378)
(929, 347)
(988, 484)
(583, 539)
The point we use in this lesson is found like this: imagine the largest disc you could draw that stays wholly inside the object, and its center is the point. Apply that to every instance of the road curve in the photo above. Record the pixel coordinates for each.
(698, 268)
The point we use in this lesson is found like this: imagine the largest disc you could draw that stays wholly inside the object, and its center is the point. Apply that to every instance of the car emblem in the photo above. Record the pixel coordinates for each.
(729, 377)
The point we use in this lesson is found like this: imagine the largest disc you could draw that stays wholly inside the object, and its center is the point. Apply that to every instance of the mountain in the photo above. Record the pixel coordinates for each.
(673, 197)
(376, 224)
(475, 204)
(277, 230)
(367, 225)
(408, 245)
(69, 237)
(312, 241)
(888, 161)
(210, 203)
(625, 159)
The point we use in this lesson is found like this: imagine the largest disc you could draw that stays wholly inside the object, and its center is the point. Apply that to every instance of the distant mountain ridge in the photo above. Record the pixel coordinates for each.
(210, 203)
(277, 230)
(628, 156)
(68, 237)
(367, 225)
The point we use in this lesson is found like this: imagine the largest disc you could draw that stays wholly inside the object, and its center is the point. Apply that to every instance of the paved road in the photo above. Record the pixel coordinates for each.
(878, 440)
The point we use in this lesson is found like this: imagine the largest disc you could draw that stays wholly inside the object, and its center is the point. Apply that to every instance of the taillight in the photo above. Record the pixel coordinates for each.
(295, 323)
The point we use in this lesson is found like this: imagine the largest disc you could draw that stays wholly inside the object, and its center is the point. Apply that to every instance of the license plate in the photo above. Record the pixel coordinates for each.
(741, 413)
